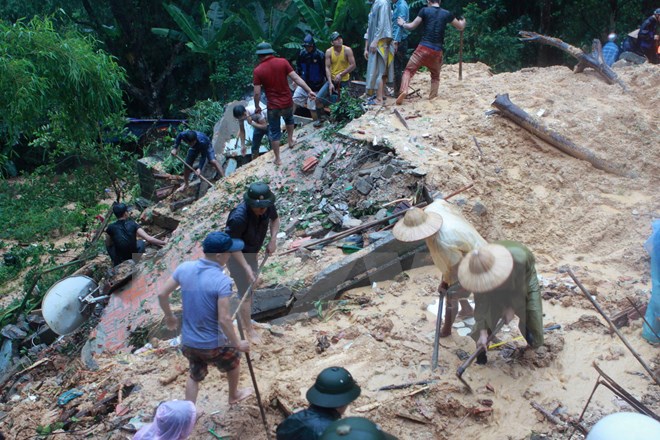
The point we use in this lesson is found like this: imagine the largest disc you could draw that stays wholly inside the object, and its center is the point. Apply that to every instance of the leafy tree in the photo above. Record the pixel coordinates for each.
(321, 18)
(200, 39)
(54, 83)
(264, 21)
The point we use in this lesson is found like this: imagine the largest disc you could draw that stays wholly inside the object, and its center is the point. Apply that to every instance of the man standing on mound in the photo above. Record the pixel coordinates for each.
(429, 50)
(272, 75)
(329, 398)
(503, 277)
(207, 332)
(250, 222)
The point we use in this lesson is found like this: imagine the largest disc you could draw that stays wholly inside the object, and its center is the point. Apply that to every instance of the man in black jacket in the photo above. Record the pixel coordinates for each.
(311, 68)
(121, 242)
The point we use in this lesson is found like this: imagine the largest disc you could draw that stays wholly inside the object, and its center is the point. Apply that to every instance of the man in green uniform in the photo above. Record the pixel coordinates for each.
(503, 277)
(329, 397)
(355, 428)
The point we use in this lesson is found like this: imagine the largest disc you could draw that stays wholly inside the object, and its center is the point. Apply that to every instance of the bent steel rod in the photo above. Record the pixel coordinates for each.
(612, 326)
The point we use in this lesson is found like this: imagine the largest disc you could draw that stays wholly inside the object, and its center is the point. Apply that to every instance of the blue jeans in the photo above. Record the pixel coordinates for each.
(257, 135)
(322, 94)
(274, 128)
(194, 152)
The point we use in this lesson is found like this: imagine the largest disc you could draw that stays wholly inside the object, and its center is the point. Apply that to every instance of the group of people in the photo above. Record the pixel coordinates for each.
(386, 46)
(502, 274)
(208, 336)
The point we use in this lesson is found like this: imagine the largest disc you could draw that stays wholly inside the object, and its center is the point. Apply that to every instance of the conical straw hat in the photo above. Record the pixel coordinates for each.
(417, 225)
(486, 268)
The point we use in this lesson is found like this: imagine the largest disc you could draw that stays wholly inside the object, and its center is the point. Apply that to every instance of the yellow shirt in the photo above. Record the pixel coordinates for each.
(339, 63)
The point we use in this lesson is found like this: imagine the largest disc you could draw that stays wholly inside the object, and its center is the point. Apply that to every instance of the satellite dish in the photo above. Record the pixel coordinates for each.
(63, 307)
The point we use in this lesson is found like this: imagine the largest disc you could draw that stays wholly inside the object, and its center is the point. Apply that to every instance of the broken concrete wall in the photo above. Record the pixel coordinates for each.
(381, 260)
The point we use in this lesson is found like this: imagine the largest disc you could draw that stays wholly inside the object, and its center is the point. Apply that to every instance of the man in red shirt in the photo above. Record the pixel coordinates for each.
(272, 74)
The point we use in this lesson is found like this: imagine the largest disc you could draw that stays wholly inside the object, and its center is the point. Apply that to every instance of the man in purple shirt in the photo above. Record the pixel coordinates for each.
(207, 331)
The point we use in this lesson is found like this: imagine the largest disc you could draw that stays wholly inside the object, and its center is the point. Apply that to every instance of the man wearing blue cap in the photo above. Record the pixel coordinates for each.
(207, 331)
(329, 397)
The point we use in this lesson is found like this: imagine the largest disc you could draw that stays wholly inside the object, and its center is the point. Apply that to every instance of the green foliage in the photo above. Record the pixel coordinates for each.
(269, 23)
(487, 39)
(204, 114)
(55, 82)
(321, 17)
(46, 206)
(204, 38)
(234, 63)
(346, 109)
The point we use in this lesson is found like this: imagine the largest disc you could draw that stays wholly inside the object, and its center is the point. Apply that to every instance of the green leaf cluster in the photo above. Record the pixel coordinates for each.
(54, 80)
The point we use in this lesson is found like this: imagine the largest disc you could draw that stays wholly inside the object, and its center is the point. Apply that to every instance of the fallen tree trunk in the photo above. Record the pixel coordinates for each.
(522, 118)
(593, 60)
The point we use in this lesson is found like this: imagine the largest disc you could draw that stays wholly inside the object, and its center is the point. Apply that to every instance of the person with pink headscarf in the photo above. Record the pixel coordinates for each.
(174, 420)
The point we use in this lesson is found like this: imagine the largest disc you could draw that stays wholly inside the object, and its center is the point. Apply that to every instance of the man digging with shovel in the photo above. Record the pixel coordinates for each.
(503, 277)
(449, 237)
(250, 222)
(198, 143)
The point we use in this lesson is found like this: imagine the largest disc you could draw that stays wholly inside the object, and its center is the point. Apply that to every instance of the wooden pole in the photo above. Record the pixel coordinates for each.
(612, 326)
(460, 58)
(193, 170)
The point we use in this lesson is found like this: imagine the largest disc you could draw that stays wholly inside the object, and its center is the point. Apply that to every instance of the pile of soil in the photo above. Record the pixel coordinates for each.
(562, 208)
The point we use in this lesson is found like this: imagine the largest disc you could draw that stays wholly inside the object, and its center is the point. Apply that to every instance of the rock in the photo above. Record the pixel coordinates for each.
(350, 222)
(381, 214)
(366, 204)
(385, 159)
(335, 217)
(160, 216)
(388, 171)
(479, 209)
(363, 186)
(379, 235)
(11, 331)
(418, 172)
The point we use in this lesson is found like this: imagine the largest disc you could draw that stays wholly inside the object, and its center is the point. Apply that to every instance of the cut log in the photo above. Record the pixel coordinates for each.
(522, 118)
(593, 60)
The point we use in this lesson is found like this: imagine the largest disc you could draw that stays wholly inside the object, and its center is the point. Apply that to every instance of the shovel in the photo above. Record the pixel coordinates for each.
(468, 362)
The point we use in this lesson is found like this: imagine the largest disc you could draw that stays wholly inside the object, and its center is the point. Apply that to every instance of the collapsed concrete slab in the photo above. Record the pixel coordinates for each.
(381, 260)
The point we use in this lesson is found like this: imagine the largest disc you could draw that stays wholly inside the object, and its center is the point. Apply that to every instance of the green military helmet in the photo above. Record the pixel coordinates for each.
(264, 49)
(355, 428)
(334, 388)
(259, 195)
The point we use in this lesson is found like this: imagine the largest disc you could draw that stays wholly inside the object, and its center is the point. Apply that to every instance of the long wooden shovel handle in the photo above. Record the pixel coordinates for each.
(193, 170)
(471, 359)
(249, 290)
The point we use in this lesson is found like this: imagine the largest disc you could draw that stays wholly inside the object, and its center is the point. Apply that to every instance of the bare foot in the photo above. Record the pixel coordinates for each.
(182, 188)
(446, 331)
(254, 337)
(277, 162)
(241, 394)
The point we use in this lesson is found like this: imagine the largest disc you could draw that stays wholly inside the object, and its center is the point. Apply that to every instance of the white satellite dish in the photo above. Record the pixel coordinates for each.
(65, 306)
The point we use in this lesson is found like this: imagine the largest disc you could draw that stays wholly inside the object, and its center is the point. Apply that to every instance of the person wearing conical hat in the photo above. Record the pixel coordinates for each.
(503, 277)
(449, 237)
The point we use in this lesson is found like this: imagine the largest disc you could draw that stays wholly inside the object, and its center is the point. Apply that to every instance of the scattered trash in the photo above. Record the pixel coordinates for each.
(68, 396)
